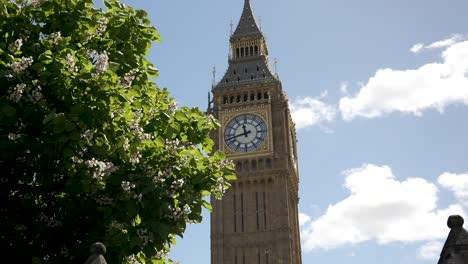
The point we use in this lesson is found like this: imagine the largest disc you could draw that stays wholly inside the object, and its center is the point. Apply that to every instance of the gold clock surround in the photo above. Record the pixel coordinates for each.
(263, 111)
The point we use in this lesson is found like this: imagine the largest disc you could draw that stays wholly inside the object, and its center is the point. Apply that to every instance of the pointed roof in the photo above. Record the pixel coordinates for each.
(247, 25)
(455, 250)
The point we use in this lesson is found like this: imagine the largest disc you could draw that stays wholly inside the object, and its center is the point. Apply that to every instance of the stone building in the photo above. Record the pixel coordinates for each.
(257, 219)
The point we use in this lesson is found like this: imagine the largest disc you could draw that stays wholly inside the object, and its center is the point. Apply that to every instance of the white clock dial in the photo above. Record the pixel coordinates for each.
(245, 133)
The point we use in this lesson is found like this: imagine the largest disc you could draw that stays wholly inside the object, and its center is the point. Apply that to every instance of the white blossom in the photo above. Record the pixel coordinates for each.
(101, 169)
(20, 227)
(13, 136)
(160, 177)
(127, 186)
(101, 26)
(87, 135)
(56, 36)
(16, 46)
(162, 253)
(220, 182)
(103, 200)
(127, 80)
(50, 221)
(64, 251)
(117, 112)
(70, 62)
(173, 146)
(172, 107)
(102, 62)
(126, 144)
(20, 66)
(17, 92)
(36, 94)
(138, 197)
(143, 235)
(132, 260)
(116, 225)
(76, 160)
(177, 184)
(135, 158)
(36, 3)
(226, 163)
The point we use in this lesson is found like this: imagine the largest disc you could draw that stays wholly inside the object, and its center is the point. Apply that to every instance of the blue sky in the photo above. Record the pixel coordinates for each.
(379, 92)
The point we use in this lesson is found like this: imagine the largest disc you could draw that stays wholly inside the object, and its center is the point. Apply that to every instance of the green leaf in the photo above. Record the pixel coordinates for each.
(172, 130)
(207, 205)
(8, 110)
(230, 177)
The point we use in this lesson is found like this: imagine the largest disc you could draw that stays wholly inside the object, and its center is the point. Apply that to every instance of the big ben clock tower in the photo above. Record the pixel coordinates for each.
(257, 219)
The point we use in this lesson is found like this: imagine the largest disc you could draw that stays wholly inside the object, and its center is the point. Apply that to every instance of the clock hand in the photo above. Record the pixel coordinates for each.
(246, 133)
(241, 134)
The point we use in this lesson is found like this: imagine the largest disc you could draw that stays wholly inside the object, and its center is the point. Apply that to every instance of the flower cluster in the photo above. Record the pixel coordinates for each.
(103, 200)
(143, 235)
(36, 94)
(173, 146)
(220, 186)
(16, 46)
(135, 158)
(87, 135)
(15, 95)
(116, 225)
(70, 61)
(64, 251)
(20, 228)
(178, 212)
(101, 168)
(102, 62)
(172, 107)
(132, 260)
(101, 26)
(127, 186)
(56, 37)
(226, 163)
(127, 80)
(13, 136)
(177, 184)
(50, 221)
(126, 144)
(36, 3)
(21, 65)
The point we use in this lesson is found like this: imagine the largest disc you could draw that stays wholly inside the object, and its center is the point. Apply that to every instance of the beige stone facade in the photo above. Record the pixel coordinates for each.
(257, 219)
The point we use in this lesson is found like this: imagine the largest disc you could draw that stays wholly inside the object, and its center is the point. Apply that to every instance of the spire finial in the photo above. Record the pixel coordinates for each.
(232, 28)
(214, 76)
(276, 66)
(247, 25)
(455, 221)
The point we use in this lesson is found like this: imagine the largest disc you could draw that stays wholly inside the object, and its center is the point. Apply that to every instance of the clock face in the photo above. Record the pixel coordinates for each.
(245, 133)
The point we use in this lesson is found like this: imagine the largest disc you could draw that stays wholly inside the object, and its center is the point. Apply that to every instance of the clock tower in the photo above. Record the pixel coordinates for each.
(257, 219)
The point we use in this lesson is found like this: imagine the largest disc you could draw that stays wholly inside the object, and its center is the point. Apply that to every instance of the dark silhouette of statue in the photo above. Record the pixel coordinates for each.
(97, 254)
(455, 250)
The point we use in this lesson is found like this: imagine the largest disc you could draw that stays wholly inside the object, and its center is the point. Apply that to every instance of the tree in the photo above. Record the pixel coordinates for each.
(90, 149)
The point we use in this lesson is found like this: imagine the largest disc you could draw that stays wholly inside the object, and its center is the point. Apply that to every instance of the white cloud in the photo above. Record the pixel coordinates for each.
(417, 47)
(379, 208)
(457, 183)
(431, 86)
(430, 250)
(303, 219)
(309, 111)
(344, 87)
(446, 42)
